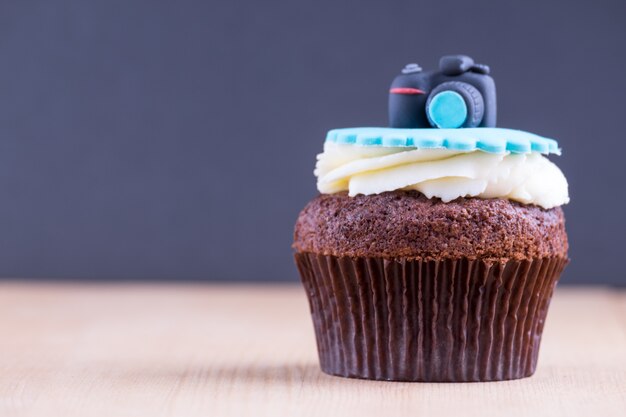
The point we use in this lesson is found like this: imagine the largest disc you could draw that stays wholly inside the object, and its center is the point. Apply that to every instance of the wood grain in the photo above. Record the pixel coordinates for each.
(205, 350)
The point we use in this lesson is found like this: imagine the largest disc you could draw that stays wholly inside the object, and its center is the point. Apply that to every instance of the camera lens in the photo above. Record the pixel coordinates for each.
(455, 104)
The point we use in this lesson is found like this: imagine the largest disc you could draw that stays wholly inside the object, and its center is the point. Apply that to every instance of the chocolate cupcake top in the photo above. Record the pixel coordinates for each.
(407, 224)
(441, 182)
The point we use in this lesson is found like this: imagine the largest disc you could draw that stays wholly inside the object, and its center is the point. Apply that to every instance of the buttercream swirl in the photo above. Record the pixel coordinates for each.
(447, 174)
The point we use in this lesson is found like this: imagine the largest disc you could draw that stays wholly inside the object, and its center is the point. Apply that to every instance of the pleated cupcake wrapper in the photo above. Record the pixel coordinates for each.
(449, 321)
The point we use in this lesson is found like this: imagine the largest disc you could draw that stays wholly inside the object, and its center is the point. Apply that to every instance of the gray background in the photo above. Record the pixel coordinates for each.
(176, 140)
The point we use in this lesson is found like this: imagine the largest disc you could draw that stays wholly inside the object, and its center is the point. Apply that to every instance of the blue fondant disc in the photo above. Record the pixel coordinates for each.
(447, 110)
(487, 139)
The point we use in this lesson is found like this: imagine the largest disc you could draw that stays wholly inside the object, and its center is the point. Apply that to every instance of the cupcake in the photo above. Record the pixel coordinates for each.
(433, 249)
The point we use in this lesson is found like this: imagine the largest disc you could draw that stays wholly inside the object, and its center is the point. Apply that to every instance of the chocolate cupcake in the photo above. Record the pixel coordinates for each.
(435, 245)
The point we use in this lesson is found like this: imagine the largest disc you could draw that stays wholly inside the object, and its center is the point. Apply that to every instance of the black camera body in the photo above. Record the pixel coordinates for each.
(460, 94)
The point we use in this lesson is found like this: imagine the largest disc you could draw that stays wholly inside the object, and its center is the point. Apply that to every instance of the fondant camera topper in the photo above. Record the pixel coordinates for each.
(460, 94)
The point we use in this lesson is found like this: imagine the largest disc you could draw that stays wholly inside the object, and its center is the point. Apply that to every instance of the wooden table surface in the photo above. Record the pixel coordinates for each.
(205, 350)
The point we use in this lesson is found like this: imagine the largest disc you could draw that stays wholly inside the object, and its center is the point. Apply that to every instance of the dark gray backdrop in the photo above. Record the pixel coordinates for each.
(157, 140)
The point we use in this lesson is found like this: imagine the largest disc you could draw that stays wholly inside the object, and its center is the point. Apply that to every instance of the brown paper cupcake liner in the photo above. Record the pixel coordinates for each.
(452, 320)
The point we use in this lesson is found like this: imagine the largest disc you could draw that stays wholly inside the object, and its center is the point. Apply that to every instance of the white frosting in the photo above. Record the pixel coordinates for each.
(446, 174)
